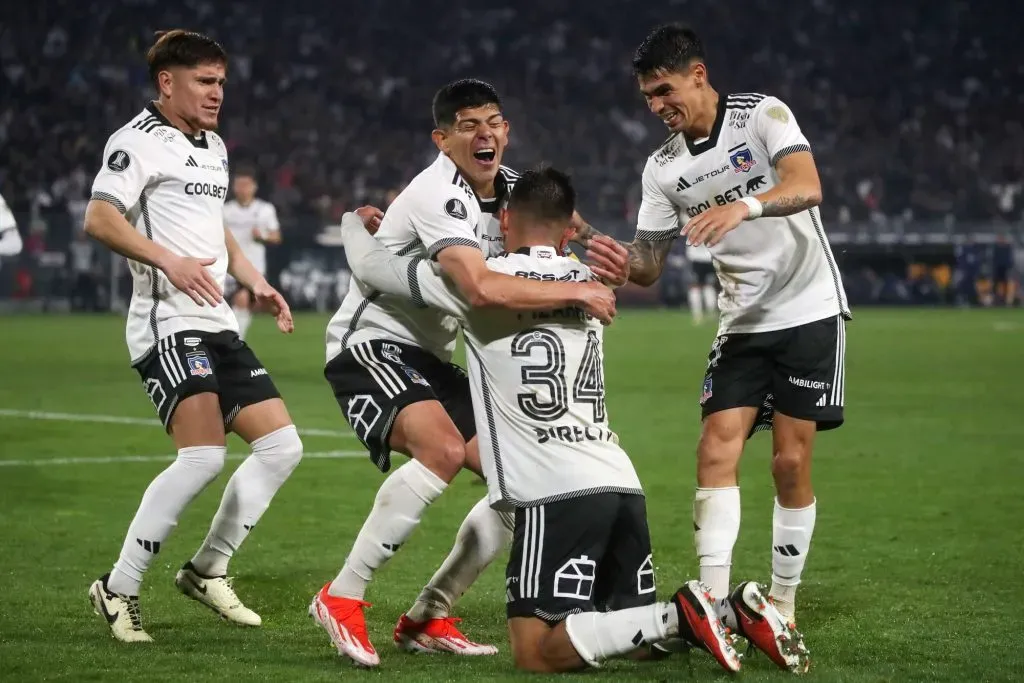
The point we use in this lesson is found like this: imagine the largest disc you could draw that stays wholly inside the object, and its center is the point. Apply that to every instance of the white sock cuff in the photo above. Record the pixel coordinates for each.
(424, 483)
(716, 489)
(812, 506)
(209, 458)
(283, 440)
(584, 621)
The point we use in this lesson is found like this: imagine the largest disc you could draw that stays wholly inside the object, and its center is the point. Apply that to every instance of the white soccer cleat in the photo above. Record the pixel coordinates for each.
(345, 623)
(121, 612)
(217, 594)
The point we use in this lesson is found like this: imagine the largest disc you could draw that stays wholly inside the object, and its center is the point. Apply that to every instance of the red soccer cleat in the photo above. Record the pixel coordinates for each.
(700, 625)
(437, 636)
(760, 622)
(344, 622)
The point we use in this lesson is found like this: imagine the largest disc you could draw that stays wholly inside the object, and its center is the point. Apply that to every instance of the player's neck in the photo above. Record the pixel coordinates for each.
(245, 203)
(513, 245)
(176, 120)
(704, 123)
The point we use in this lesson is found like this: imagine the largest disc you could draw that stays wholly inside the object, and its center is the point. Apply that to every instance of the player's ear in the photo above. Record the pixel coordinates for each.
(503, 222)
(567, 232)
(440, 139)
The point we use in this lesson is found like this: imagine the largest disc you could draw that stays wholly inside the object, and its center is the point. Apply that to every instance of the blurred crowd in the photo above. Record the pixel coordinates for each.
(912, 107)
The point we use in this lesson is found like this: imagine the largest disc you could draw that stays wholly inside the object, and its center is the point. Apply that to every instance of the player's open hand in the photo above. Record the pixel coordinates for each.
(609, 260)
(371, 217)
(598, 301)
(190, 276)
(271, 300)
(711, 226)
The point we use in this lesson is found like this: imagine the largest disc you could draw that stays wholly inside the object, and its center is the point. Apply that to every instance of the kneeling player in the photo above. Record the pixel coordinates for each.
(581, 543)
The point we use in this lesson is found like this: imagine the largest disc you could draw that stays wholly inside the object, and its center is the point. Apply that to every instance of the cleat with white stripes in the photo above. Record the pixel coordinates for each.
(217, 593)
(761, 623)
(699, 624)
(120, 612)
(439, 635)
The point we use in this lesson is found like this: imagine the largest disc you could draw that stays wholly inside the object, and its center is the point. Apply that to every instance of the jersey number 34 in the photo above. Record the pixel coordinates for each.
(587, 388)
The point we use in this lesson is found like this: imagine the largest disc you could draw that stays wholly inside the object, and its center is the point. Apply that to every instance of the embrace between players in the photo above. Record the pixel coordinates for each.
(471, 244)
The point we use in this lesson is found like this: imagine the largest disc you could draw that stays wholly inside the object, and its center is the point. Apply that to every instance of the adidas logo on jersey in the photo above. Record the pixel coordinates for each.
(191, 162)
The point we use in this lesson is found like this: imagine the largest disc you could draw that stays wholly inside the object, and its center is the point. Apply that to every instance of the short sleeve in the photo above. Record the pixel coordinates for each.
(445, 220)
(127, 169)
(429, 287)
(658, 218)
(777, 131)
(271, 222)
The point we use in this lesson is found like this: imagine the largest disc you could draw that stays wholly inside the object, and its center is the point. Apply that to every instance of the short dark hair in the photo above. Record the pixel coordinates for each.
(545, 194)
(183, 48)
(668, 48)
(462, 94)
(245, 170)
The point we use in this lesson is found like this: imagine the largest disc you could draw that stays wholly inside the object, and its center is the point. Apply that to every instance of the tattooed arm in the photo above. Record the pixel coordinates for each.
(799, 187)
(646, 257)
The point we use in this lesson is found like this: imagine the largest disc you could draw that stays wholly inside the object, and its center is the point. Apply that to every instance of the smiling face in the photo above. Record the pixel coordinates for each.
(475, 142)
(676, 97)
(194, 94)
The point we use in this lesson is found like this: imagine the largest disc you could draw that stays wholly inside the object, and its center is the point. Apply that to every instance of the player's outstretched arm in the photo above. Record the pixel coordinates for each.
(484, 287)
(105, 224)
(392, 274)
(799, 186)
(241, 268)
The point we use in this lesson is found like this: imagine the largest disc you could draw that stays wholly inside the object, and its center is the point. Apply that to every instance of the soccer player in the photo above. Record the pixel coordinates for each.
(581, 545)
(702, 292)
(389, 366)
(253, 222)
(10, 238)
(158, 200)
(740, 170)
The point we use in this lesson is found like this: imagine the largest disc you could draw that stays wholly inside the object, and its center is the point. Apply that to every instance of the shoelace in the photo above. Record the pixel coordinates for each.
(134, 612)
(450, 629)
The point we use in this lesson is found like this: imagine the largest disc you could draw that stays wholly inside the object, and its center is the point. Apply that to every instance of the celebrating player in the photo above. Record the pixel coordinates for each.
(253, 222)
(389, 365)
(581, 544)
(741, 171)
(159, 200)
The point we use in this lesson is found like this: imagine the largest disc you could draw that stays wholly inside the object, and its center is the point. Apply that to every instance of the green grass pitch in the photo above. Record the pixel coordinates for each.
(915, 572)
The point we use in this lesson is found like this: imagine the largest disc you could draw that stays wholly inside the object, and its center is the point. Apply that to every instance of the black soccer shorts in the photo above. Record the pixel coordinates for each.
(191, 362)
(799, 372)
(580, 555)
(372, 382)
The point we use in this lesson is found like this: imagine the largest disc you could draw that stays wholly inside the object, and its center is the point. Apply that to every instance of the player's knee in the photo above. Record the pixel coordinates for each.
(280, 450)
(791, 464)
(719, 448)
(444, 456)
(207, 460)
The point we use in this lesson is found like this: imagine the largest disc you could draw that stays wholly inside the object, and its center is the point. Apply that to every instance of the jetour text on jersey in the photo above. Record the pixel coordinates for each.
(206, 190)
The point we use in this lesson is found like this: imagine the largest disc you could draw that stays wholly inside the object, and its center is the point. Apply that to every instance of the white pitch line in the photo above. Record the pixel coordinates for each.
(114, 459)
(121, 420)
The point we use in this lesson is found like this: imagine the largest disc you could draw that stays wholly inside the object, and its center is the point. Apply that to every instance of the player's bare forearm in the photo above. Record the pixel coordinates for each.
(799, 187)
(239, 266)
(105, 224)
(647, 260)
(482, 286)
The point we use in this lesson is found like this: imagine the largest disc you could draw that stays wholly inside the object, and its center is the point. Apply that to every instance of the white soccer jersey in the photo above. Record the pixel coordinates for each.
(775, 273)
(242, 220)
(7, 221)
(438, 209)
(171, 187)
(538, 388)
